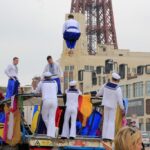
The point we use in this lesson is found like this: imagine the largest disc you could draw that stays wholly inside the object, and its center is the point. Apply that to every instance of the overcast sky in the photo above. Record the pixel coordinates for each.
(32, 29)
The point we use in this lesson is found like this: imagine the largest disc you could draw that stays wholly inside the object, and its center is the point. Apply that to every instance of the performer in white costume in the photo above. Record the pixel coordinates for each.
(71, 111)
(48, 88)
(112, 96)
(71, 32)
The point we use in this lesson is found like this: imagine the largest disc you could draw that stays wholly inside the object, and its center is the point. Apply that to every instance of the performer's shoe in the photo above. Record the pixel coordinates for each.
(63, 138)
(72, 138)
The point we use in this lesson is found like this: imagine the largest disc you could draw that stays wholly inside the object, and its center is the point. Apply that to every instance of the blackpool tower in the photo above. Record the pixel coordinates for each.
(100, 27)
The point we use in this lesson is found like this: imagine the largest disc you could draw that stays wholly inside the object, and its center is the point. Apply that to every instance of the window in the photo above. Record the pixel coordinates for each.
(128, 91)
(81, 87)
(115, 66)
(66, 68)
(91, 68)
(99, 80)
(134, 70)
(108, 66)
(140, 70)
(148, 88)
(122, 70)
(94, 78)
(86, 68)
(80, 75)
(71, 68)
(123, 88)
(104, 80)
(136, 107)
(148, 69)
(148, 124)
(128, 70)
(148, 106)
(141, 124)
(138, 89)
(98, 70)
(66, 80)
(70, 76)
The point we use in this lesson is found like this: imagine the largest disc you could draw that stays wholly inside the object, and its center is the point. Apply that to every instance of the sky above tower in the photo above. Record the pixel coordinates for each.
(32, 29)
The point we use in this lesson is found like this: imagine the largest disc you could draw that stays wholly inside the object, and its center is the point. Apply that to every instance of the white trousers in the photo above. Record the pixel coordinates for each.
(109, 123)
(48, 114)
(70, 113)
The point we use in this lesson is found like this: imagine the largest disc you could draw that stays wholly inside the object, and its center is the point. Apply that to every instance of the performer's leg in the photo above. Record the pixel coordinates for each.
(51, 120)
(111, 124)
(73, 123)
(65, 131)
(75, 37)
(73, 44)
(16, 86)
(10, 89)
(105, 123)
(59, 85)
(67, 36)
(68, 44)
(45, 112)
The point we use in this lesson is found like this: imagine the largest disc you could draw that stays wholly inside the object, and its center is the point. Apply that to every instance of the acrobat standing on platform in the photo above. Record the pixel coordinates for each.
(72, 94)
(55, 69)
(48, 88)
(13, 83)
(112, 96)
(71, 32)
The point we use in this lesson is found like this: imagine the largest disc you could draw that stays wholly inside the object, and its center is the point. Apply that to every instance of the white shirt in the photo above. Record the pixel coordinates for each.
(11, 71)
(72, 98)
(112, 95)
(48, 89)
(71, 23)
(54, 69)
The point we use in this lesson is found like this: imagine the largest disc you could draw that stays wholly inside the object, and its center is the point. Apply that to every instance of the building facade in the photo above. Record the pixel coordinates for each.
(92, 71)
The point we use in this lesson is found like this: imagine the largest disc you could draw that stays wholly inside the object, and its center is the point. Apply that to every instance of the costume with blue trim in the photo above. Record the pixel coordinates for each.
(111, 86)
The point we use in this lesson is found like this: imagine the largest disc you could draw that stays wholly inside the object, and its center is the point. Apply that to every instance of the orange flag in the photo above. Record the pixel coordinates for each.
(85, 107)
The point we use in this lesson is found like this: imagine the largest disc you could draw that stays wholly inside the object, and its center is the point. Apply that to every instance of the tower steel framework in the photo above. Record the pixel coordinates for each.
(99, 20)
